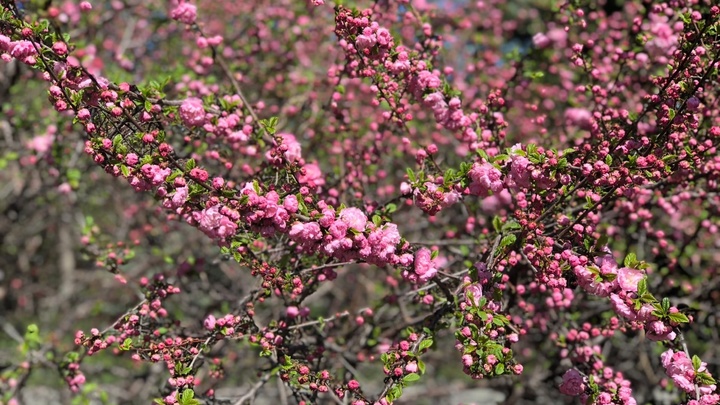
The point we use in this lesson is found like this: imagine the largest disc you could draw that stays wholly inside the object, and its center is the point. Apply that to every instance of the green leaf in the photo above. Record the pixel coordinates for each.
(497, 224)
(394, 393)
(187, 395)
(696, 362)
(117, 140)
(665, 304)
(425, 344)
(499, 369)
(411, 175)
(642, 287)
(679, 317)
(630, 260)
(412, 377)
(190, 164)
(507, 240)
(704, 379)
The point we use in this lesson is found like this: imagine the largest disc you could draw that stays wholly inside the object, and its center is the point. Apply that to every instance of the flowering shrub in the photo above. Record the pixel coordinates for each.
(334, 197)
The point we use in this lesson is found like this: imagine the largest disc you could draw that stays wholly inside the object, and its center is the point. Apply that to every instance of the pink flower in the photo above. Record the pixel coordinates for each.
(209, 322)
(573, 383)
(4, 43)
(60, 48)
(155, 174)
(192, 112)
(622, 308)
(679, 367)
(354, 218)
(83, 114)
(658, 331)
(180, 196)
(292, 312)
(628, 278)
(520, 171)
(294, 150)
(313, 174)
(384, 38)
(22, 50)
(383, 242)
(214, 223)
(424, 265)
(485, 178)
(41, 143)
(450, 198)
(185, 13)
(541, 41)
(473, 292)
(291, 203)
(579, 117)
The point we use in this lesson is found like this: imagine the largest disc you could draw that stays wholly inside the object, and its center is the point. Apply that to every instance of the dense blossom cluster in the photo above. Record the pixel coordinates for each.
(544, 183)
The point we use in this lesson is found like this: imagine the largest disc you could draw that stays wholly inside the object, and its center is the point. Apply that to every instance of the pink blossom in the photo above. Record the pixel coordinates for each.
(450, 198)
(628, 278)
(541, 41)
(579, 117)
(41, 143)
(131, 159)
(485, 178)
(474, 292)
(23, 50)
(354, 218)
(520, 172)
(4, 43)
(425, 267)
(658, 331)
(155, 174)
(679, 367)
(622, 308)
(214, 223)
(294, 150)
(291, 203)
(209, 322)
(192, 112)
(184, 12)
(383, 242)
(587, 280)
(292, 312)
(573, 383)
(180, 196)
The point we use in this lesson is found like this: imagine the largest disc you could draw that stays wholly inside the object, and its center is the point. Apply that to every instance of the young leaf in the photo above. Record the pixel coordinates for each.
(412, 377)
